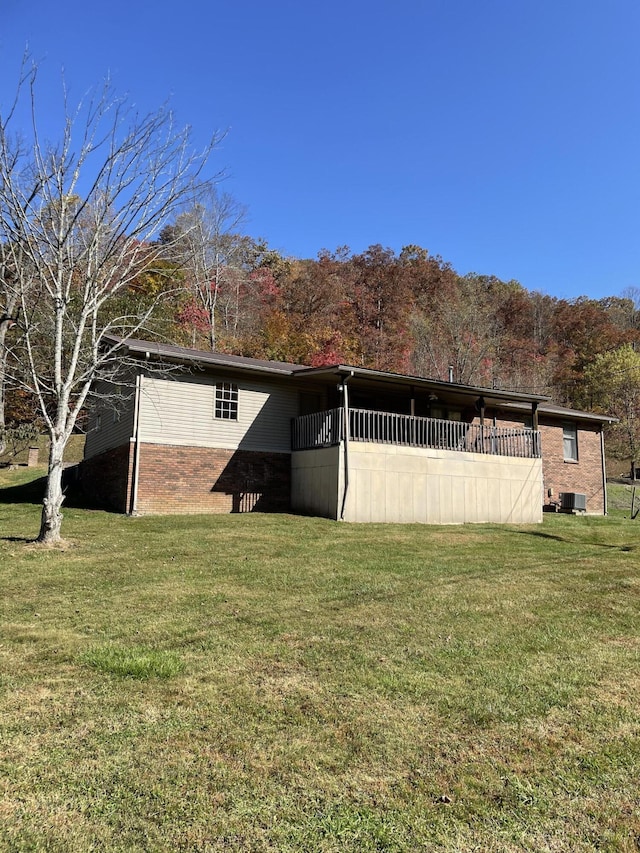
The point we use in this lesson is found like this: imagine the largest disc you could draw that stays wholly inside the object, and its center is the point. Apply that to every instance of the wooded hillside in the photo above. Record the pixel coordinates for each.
(407, 312)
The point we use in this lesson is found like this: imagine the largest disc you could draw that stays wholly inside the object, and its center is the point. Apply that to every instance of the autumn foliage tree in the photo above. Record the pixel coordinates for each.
(612, 381)
(411, 311)
(8, 319)
(207, 244)
(314, 297)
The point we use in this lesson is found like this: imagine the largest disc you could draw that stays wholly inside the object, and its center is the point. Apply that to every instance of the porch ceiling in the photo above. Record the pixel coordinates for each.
(453, 392)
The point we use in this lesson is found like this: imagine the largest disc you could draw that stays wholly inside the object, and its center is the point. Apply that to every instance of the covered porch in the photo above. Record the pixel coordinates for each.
(364, 464)
(330, 428)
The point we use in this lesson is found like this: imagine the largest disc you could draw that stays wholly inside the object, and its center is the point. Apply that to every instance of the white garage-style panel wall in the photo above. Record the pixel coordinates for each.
(390, 483)
(315, 478)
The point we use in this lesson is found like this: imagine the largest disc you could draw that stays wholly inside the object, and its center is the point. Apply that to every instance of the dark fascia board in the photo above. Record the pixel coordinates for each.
(146, 350)
(491, 395)
(561, 412)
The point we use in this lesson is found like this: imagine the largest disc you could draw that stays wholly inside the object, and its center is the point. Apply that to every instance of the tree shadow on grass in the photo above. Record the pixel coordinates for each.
(25, 493)
(33, 493)
(25, 540)
(542, 535)
(567, 541)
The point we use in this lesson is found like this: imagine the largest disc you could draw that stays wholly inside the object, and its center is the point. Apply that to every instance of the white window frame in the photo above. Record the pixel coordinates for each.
(570, 441)
(226, 400)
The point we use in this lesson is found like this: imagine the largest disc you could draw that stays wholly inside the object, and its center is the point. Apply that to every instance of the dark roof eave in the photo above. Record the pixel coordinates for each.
(182, 355)
(492, 394)
(568, 414)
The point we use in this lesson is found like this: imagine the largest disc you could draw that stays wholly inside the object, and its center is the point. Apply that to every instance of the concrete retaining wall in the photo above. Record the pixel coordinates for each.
(315, 481)
(390, 483)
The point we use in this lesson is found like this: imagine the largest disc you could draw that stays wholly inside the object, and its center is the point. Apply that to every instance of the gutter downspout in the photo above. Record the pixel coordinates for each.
(136, 439)
(345, 426)
(537, 438)
(604, 472)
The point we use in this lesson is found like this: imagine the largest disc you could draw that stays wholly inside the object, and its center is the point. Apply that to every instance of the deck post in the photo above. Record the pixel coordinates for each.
(347, 419)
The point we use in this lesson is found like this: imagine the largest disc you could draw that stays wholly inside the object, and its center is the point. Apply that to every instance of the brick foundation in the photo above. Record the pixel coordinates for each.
(174, 479)
(104, 480)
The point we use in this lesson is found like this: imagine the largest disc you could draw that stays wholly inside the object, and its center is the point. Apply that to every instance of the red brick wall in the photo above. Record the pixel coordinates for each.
(584, 476)
(105, 479)
(176, 479)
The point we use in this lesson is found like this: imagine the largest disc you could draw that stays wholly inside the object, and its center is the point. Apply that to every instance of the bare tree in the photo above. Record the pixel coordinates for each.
(459, 327)
(79, 221)
(8, 308)
(631, 296)
(10, 151)
(210, 249)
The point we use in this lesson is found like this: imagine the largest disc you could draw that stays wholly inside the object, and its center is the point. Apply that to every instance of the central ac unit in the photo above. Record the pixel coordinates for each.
(573, 501)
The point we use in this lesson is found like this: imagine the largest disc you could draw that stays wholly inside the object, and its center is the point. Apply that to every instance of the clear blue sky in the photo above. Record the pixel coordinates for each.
(503, 135)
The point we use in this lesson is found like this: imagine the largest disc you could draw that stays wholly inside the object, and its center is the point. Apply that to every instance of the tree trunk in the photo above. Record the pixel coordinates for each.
(7, 321)
(51, 521)
(3, 443)
(4, 326)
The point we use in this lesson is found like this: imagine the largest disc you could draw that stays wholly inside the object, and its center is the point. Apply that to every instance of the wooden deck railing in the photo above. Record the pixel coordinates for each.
(326, 429)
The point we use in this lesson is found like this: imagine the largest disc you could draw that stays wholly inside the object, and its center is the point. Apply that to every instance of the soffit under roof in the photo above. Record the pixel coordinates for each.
(195, 357)
(561, 412)
(451, 391)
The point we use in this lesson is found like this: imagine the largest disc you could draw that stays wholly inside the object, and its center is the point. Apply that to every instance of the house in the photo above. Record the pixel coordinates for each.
(221, 433)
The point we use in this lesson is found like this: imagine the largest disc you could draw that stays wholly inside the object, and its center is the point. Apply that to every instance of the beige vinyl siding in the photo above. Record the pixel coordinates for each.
(180, 411)
(113, 430)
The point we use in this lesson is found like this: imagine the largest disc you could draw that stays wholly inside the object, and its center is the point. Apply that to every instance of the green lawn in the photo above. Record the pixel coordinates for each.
(74, 451)
(269, 682)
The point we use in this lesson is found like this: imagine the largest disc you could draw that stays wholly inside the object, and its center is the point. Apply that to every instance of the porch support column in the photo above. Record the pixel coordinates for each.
(534, 416)
(133, 477)
(605, 508)
(535, 426)
(480, 406)
(345, 429)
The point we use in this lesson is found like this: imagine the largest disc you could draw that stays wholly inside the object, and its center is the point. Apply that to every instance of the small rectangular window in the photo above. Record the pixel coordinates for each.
(570, 442)
(226, 407)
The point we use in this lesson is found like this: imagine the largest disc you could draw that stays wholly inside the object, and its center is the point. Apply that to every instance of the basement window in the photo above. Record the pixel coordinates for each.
(226, 403)
(570, 441)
